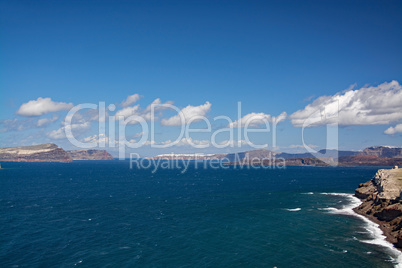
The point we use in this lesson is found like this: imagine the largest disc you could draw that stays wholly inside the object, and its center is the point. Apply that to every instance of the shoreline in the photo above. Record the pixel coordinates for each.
(384, 226)
(381, 204)
(375, 231)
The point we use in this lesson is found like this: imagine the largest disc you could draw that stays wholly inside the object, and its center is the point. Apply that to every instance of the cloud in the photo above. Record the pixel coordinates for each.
(128, 111)
(366, 106)
(130, 100)
(280, 117)
(158, 106)
(42, 106)
(146, 113)
(188, 113)
(257, 119)
(9, 125)
(96, 139)
(393, 130)
(78, 125)
(15, 124)
(233, 143)
(46, 121)
(61, 132)
(251, 120)
(184, 142)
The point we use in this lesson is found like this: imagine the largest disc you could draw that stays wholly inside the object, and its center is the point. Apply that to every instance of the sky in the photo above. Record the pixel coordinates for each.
(288, 63)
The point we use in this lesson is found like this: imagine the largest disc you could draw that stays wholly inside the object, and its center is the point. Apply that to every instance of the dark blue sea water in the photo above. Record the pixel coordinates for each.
(103, 214)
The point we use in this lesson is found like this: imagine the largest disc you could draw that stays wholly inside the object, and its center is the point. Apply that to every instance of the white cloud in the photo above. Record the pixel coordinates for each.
(158, 106)
(130, 100)
(257, 119)
(42, 106)
(183, 142)
(96, 139)
(280, 117)
(251, 120)
(128, 111)
(393, 130)
(233, 143)
(375, 105)
(46, 121)
(188, 113)
(146, 113)
(61, 132)
(78, 125)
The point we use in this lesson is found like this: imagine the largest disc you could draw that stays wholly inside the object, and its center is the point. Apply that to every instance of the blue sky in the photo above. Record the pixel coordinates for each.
(272, 56)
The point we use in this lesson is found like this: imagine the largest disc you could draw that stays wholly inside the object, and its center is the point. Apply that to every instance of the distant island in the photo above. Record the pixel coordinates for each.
(371, 156)
(90, 154)
(381, 198)
(50, 152)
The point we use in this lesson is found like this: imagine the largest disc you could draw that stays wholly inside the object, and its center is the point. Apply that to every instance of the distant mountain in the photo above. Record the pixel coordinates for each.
(371, 156)
(90, 154)
(194, 156)
(323, 152)
(369, 160)
(49, 152)
(254, 154)
(383, 151)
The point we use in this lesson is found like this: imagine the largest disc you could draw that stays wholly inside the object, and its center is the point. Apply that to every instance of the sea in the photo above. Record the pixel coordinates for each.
(106, 214)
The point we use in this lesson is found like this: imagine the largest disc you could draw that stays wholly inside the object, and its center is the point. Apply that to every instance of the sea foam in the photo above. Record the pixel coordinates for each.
(293, 209)
(378, 238)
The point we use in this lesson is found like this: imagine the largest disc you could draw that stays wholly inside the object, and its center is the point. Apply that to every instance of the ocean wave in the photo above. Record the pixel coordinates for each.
(372, 228)
(308, 193)
(293, 209)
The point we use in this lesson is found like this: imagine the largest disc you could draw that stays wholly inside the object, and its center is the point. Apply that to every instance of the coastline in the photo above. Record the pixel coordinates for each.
(374, 227)
(384, 226)
(380, 203)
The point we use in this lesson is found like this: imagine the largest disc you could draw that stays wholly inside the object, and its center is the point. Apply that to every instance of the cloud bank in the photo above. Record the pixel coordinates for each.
(374, 105)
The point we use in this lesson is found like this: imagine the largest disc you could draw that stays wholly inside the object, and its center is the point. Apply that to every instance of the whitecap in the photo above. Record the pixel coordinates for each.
(328, 209)
(371, 227)
(308, 193)
(293, 209)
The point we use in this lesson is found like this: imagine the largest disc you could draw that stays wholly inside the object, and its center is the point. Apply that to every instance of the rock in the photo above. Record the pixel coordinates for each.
(49, 152)
(398, 244)
(383, 151)
(381, 198)
(365, 190)
(90, 154)
(389, 213)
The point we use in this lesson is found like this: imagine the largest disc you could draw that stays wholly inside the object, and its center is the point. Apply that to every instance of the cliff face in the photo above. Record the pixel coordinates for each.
(382, 203)
(90, 155)
(383, 151)
(49, 152)
(369, 160)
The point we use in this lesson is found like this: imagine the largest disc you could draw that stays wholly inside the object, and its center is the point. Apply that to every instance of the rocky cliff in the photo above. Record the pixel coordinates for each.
(49, 152)
(369, 160)
(382, 203)
(383, 151)
(90, 155)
